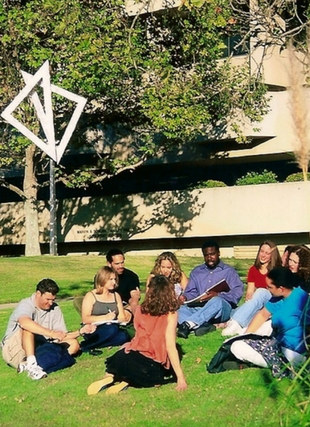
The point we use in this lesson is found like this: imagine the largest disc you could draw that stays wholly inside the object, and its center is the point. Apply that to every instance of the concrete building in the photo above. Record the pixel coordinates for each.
(154, 208)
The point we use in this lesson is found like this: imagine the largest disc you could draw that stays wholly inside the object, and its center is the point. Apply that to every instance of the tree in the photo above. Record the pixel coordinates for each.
(158, 79)
(285, 24)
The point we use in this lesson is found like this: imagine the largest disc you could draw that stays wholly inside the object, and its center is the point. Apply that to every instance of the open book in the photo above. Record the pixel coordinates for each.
(221, 286)
(106, 322)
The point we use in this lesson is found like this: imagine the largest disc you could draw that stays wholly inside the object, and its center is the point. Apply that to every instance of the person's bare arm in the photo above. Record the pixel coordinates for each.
(184, 281)
(121, 313)
(148, 281)
(30, 325)
(258, 320)
(250, 291)
(85, 329)
(134, 299)
(173, 355)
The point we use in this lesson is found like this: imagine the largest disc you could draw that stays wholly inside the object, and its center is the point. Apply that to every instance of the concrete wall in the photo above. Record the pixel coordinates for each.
(231, 214)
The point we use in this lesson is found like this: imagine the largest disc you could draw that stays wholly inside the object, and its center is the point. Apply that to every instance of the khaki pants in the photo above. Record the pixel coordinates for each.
(12, 350)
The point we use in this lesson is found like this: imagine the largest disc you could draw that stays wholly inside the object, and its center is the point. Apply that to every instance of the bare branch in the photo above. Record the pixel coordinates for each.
(14, 188)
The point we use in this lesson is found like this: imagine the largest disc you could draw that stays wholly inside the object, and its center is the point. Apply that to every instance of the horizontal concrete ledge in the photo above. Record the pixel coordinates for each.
(230, 245)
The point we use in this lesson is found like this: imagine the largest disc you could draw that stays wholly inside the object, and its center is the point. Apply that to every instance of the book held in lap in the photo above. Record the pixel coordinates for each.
(221, 286)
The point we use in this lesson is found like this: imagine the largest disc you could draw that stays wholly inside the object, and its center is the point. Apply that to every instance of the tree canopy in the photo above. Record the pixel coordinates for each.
(157, 74)
(160, 79)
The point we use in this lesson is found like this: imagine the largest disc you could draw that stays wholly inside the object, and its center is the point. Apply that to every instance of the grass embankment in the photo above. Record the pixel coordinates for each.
(236, 398)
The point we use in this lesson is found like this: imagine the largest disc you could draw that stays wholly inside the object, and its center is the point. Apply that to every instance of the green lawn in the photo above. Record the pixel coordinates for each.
(236, 398)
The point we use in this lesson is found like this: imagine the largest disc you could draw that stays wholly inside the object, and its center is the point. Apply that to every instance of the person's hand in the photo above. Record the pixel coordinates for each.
(181, 384)
(135, 293)
(249, 295)
(58, 335)
(208, 296)
(88, 329)
(182, 299)
(111, 315)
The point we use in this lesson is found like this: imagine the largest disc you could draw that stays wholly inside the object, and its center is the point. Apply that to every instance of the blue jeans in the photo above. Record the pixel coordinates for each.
(244, 314)
(215, 309)
(107, 335)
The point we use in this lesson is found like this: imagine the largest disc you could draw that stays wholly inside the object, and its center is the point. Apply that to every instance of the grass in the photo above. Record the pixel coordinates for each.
(74, 275)
(236, 398)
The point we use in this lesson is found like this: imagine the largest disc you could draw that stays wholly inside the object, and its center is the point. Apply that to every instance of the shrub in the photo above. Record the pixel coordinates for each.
(254, 178)
(210, 183)
(295, 177)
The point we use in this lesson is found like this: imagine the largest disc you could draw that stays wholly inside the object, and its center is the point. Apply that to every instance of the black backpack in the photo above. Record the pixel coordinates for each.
(224, 354)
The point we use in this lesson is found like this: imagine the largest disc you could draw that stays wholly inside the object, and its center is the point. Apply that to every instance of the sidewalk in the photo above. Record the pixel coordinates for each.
(8, 305)
(14, 304)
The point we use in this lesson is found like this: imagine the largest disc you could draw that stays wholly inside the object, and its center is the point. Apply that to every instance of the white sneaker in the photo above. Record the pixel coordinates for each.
(22, 367)
(35, 372)
(232, 328)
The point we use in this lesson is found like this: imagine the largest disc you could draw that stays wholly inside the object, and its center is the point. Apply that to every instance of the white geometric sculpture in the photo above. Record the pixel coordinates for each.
(45, 113)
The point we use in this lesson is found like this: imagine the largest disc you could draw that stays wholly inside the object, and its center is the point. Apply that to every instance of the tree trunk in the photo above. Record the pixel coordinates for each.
(30, 204)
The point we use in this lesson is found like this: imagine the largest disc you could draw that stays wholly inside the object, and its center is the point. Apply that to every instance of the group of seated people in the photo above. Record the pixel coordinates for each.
(273, 317)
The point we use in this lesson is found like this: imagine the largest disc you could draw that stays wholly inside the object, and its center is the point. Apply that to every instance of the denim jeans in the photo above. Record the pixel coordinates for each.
(107, 335)
(215, 309)
(245, 313)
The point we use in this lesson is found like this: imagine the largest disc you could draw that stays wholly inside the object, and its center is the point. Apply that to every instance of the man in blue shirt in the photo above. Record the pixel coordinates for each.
(214, 307)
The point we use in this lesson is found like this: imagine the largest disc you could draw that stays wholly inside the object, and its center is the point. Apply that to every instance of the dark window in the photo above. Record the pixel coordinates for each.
(233, 46)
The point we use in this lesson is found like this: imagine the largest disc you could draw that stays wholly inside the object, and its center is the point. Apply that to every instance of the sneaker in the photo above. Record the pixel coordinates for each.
(204, 329)
(117, 388)
(232, 328)
(183, 330)
(22, 367)
(35, 372)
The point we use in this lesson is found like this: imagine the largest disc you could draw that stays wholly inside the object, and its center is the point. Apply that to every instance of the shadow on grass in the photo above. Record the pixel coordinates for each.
(272, 384)
(75, 289)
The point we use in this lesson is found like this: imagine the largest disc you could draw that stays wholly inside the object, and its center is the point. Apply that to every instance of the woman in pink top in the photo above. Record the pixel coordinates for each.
(257, 295)
(151, 358)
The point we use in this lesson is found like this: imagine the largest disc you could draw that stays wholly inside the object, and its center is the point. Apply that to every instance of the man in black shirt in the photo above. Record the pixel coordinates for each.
(128, 281)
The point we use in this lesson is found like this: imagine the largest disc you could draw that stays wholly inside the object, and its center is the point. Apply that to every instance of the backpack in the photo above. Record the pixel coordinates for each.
(217, 363)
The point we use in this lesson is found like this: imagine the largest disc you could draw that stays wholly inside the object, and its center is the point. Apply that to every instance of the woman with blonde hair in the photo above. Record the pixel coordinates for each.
(103, 307)
(151, 358)
(167, 264)
(267, 258)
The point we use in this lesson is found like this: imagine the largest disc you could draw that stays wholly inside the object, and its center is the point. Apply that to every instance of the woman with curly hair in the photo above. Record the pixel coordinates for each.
(299, 262)
(257, 295)
(168, 265)
(151, 358)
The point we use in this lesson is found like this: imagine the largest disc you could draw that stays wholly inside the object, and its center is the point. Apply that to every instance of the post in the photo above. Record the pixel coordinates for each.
(52, 203)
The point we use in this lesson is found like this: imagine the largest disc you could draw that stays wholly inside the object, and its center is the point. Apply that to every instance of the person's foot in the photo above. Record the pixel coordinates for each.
(117, 388)
(204, 329)
(100, 385)
(220, 325)
(22, 367)
(232, 328)
(35, 372)
(183, 330)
